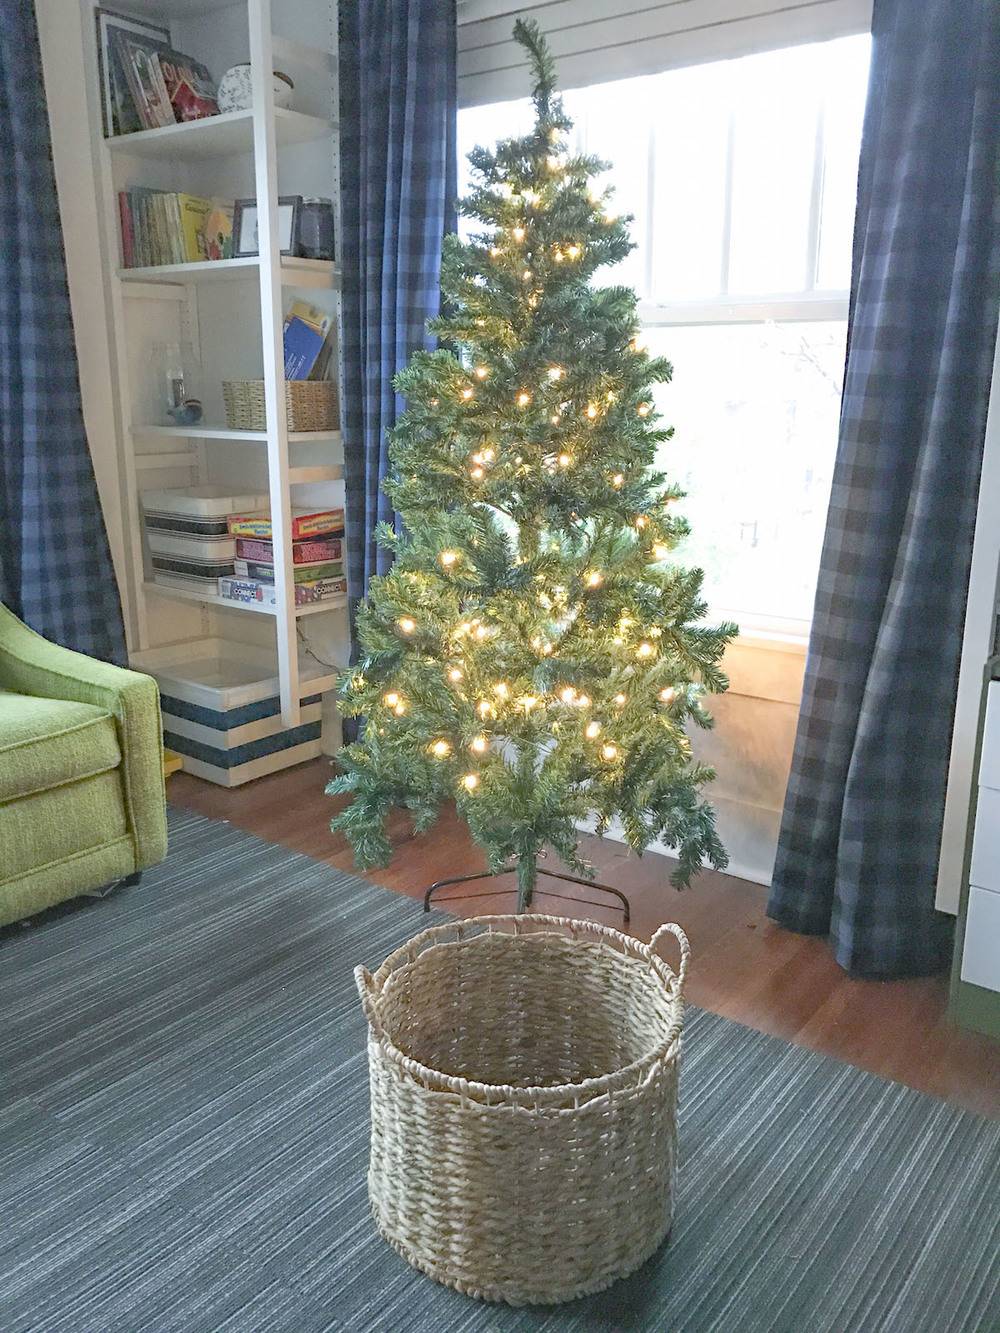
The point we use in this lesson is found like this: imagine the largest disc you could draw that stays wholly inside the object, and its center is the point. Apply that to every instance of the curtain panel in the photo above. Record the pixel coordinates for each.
(398, 186)
(858, 848)
(55, 564)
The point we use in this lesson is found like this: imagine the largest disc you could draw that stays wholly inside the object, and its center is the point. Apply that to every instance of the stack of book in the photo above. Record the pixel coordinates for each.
(317, 557)
(154, 85)
(164, 227)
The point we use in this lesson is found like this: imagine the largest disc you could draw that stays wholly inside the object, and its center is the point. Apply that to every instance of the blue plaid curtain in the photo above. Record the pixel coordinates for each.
(55, 566)
(860, 834)
(398, 182)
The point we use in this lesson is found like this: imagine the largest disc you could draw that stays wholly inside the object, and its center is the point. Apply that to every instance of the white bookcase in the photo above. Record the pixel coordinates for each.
(229, 313)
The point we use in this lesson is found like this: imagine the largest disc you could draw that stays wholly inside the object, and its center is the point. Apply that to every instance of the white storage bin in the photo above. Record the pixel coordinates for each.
(989, 764)
(202, 502)
(221, 708)
(985, 869)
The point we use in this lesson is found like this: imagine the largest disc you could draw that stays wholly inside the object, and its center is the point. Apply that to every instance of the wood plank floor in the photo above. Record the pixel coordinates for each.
(743, 965)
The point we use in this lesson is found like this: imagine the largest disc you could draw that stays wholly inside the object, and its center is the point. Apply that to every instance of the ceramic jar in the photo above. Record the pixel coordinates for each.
(236, 94)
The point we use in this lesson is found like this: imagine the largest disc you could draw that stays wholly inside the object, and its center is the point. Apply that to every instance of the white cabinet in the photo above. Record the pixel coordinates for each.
(981, 955)
(981, 948)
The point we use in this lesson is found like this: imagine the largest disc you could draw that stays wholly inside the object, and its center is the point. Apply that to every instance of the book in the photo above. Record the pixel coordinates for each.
(303, 552)
(189, 86)
(217, 232)
(256, 569)
(305, 334)
(139, 61)
(252, 590)
(163, 227)
(304, 524)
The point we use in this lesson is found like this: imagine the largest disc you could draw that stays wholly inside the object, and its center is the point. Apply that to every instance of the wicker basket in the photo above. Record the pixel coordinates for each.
(311, 404)
(524, 1103)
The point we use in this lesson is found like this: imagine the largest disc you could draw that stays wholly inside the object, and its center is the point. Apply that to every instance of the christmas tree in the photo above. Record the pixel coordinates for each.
(533, 654)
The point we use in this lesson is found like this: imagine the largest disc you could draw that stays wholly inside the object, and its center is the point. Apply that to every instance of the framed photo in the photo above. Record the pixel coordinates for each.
(118, 111)
(246, 243)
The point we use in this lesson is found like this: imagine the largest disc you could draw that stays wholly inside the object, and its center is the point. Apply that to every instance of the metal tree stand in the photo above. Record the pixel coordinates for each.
(548, 893)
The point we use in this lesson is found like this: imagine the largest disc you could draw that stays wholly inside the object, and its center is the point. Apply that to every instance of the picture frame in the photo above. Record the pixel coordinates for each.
(117, 115)
(245, 242)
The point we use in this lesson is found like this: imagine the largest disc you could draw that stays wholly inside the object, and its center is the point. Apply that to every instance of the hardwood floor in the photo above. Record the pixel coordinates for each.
(743, 966)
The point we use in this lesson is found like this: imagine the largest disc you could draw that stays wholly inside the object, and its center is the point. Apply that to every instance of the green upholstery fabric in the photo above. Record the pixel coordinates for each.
(45, 742)
(82, 799)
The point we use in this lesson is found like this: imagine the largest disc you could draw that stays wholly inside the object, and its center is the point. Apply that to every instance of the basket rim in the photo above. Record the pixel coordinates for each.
(498, 1095)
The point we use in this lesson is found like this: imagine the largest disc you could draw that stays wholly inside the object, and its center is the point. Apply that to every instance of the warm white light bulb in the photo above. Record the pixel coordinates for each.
(523, 399)
(448, 558)
(644, 409)
(595, 578)
(477, 473)
(454, 675)
(470, 782)
(518, 233)
(620, 700)
(668, 695)
(565, 460)
(440, 749)
(501, 689)
(391, 699)
(660, 551)
(591, 411)
(407, 624)
(478, 744)
(645, 650)
(567, 694)
(618, 481)
(467, 393)
(592, 730)
(609, 752)
(555, 373)
(481, 372)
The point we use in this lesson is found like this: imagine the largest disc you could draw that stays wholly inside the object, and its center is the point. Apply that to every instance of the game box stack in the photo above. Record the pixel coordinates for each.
(190, 545)
(317, 558)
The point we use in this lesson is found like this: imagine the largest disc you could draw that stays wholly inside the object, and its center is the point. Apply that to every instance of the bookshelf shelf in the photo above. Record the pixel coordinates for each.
(213, 599)
(218, 136)
(293, 272)
(203, 432)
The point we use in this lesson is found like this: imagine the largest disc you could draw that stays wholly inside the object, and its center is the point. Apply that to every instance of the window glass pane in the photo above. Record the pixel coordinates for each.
(755, 408)
(775, 121)
(847, 83)
(691, 128)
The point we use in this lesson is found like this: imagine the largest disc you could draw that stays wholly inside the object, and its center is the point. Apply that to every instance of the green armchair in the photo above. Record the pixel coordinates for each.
(82, 800)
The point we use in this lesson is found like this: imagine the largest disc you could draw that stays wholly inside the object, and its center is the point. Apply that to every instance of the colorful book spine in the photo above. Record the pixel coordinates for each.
(303, 552)
(256, 569)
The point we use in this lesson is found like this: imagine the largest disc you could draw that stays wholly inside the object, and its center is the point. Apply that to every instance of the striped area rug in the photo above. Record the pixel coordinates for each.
(183, 1140)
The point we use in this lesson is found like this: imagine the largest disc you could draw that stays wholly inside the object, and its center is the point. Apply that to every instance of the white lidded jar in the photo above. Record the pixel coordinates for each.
(236, 91)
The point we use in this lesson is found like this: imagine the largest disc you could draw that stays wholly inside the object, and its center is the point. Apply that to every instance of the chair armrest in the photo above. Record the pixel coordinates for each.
(30, 664)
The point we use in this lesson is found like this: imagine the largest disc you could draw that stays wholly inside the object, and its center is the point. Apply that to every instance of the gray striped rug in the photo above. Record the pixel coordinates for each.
(183, 1139)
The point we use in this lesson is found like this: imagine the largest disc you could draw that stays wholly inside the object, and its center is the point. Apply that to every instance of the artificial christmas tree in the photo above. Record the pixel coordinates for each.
(533, 653)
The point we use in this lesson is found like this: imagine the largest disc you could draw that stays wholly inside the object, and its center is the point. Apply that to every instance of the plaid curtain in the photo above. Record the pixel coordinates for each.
(55, 566)
(857, 854)
(398, 108)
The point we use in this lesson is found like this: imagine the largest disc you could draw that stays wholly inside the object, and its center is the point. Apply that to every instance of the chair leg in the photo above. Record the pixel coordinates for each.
(106, 890)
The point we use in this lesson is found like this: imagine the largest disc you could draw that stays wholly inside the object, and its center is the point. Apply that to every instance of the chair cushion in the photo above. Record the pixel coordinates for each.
(45, 743)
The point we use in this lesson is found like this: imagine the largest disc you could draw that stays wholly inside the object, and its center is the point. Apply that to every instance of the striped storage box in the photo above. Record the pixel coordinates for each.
(221, 709)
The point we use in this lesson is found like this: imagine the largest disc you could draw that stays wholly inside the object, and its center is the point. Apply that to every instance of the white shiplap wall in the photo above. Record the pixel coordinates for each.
(595, 41)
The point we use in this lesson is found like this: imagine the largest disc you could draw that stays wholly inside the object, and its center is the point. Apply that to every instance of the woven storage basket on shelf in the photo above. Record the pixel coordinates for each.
(311, 404)
(524, 1103)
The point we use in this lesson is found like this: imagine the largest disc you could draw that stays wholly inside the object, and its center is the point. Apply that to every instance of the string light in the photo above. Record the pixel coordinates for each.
(526, 275)
(610, 395)
(618, 480)
(529, 702)
(595, 578)
(470, 782)
(495, 251)
(609, 752)
(481, 372)
(547, 650)
(645, 650)
(501, 689)
(655, 631)
(518, 233)
(644, 409)
(559, 256)
(440, 749)
(467, 393)
(481, 632)
(434, 402)
(529, 196)
(454, 675)
(555, 373)
(391, 700)
(484, 708)
(477, 473)
(668, 695)
(523, 399)
(553, 162)
(591, 411)
(567, 694)
(620, 700)
(565, 460)
(555, 418)
(407, 624)
(448, 558)
(478, 744)
(583, 701)
(660, 551)
(592, 730)
(573, 251)
(489, 454)
(641, 520)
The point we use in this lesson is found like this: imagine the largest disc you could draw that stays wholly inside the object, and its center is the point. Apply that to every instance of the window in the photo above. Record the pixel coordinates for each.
(741, 178)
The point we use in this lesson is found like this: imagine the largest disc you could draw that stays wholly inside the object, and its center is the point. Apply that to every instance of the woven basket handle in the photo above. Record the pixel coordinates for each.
(670, 928)
(363, 981)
